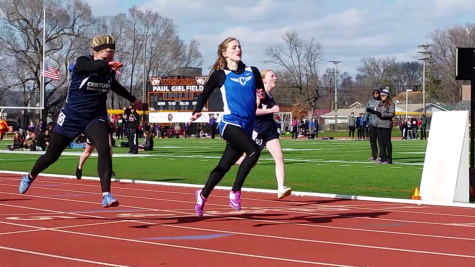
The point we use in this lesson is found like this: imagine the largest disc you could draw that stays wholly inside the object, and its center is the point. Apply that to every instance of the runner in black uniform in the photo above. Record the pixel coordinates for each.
(85, 112)
(265, 132)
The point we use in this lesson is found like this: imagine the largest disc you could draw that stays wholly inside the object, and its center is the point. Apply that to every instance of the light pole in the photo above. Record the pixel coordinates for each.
(335, 73)
(144, 87)
(144, 71)
(426, 55)
(407, 100)
(43, 93)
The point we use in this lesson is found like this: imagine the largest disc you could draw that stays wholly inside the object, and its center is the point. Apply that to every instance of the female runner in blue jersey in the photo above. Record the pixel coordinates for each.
(265, 131)
(85, 112)
(238, 84)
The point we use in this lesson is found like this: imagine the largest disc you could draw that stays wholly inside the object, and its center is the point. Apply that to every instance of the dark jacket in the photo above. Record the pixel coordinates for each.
(385, 114)
(370, 118)
(23, 121)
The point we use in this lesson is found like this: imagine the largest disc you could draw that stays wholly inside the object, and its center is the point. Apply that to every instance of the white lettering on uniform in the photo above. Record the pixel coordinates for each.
(104, 87)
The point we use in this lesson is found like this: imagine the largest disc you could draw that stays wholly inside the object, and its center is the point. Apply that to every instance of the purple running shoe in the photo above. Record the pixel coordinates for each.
(200, 203)
(235, 200)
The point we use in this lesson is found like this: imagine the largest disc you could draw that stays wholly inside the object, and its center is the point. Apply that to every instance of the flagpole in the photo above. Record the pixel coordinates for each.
(43, 93)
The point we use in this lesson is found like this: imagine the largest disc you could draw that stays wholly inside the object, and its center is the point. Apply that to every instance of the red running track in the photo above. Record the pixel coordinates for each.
(60, 222)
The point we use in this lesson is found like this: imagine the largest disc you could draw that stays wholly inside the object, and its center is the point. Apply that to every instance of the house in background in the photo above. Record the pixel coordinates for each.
(356, 105)
(357, 108)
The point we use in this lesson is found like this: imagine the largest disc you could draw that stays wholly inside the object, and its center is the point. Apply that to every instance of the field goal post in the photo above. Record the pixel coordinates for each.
(286, 118)
(4, 109)
(39, 106)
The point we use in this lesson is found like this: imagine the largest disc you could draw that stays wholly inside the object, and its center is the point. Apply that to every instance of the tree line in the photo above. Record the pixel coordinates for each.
(149, 44)
(146, 43)
(297, 61)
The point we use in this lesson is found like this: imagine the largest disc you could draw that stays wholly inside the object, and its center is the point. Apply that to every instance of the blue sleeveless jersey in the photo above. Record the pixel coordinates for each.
(239, 99)
(265, 124)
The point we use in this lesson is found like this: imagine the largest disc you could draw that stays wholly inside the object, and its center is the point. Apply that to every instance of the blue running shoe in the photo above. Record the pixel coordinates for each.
(25, 184)
(109, 201)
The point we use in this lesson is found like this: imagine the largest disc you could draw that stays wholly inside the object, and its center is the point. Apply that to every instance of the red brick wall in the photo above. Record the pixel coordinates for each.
(465, 92)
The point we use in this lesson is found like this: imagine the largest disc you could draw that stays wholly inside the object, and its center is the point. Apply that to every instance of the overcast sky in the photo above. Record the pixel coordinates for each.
(347, 29)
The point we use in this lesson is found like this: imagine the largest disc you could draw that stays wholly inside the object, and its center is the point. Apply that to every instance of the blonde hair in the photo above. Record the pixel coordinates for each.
(264, 73)
(221, 61)
(103, 42)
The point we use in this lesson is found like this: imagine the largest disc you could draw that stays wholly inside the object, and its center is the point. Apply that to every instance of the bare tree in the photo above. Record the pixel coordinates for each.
(285, 95)
(21, 30)
(442, 64)
(298, 59)
(154, 49)
(408, 74)
(379, 72)
(70, 27)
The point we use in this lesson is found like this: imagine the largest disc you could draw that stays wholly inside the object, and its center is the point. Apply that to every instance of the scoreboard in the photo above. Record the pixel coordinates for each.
(180, 94)
(183, 101)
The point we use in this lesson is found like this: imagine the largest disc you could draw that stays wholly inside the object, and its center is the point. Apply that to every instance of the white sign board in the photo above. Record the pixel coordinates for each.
(445, 176)
(179, 117)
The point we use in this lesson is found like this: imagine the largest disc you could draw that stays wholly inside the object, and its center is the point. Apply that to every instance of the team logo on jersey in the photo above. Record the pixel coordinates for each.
(242, 80)
(200, 80)
(155, 81)
(259, 142)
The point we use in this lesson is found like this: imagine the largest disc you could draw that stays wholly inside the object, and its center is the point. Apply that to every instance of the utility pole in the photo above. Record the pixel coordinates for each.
(426, 55)
(335, 85)
(144, 89)
(144, 92)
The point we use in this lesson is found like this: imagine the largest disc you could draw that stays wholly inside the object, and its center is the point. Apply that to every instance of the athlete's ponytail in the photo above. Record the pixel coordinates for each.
(221, 61)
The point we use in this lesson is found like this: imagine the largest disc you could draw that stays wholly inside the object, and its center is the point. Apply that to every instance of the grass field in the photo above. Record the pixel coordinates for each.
(339, 167)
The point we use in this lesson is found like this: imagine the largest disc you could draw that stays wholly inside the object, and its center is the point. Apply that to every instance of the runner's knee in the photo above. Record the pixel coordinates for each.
(253, 152)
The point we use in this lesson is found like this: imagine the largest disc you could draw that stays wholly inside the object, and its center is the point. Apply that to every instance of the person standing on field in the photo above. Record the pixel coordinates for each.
(370, 119)
(385, 111)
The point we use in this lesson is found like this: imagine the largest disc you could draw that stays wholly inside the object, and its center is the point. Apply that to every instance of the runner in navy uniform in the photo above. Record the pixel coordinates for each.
(238, 84)
(265, 130)
(86, 112)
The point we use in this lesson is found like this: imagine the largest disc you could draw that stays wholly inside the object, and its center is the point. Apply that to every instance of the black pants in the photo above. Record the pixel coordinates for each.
(98, 135)
(212, 131)
(294, 133)
(351, 134)
(119, 132)
(360, 131)
(423, 133)
(238, 142)
(373, 139)
(133, 139)
(385, 144)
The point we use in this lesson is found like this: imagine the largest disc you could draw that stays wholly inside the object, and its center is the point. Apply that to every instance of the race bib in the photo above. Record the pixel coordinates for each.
(61, 118)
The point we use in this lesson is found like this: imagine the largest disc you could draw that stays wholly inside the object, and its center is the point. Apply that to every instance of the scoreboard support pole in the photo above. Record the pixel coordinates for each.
(465, 71)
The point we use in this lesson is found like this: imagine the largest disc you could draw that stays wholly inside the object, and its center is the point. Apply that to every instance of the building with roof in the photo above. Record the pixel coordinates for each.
(357, 108)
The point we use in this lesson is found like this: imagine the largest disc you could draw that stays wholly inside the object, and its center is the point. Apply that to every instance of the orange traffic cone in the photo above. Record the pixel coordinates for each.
(416, 196)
